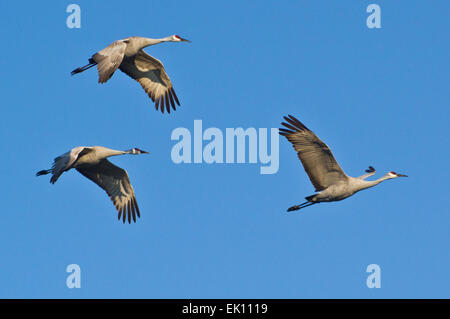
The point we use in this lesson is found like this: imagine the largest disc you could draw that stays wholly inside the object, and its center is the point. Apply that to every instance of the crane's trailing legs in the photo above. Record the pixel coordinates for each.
(303, 205)
(84, 68)
(309, 202)
(44, 172)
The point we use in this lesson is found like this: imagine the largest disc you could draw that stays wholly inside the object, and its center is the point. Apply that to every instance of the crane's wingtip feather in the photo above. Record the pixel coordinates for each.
(292, 128)
(157, 103)
(284, 132)
(299, 126)
(371, 169)
(162, 103)
(172, 103)
(175, 96)
(133, 210)
(166, 98)
(137, 207)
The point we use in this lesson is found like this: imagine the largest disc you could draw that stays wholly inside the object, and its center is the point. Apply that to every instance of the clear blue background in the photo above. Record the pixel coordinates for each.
(377, 97)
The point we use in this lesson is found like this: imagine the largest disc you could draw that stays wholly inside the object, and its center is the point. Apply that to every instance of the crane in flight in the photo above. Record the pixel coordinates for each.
(92, 163)
(322, 168)
(128, 56)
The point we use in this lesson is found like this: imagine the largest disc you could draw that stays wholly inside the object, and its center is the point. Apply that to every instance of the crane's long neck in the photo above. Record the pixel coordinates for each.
(367, 184)
(138, 43)
(107, 152)
(145, 42)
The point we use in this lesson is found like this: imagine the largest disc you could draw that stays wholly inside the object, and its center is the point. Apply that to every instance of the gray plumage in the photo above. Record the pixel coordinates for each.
(128, 56)
(322, 168)
(92, 163)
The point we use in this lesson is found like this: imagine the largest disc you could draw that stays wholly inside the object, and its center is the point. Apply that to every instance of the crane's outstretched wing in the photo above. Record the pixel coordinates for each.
(109, 59)
(150, 73)
(114, 180)
(316, 157)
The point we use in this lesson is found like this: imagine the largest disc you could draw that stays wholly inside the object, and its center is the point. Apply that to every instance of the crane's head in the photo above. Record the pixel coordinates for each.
(177, 38)
(137, 151)
(395, 175)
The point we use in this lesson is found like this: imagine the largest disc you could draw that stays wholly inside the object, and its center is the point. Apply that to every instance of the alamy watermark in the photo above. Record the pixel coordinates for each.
(374, 19)
(235, 146)
(374, 279)
(74, 279)
(74, 18)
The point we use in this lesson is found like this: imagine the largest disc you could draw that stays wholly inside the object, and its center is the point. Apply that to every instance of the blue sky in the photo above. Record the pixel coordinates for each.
(375, 96)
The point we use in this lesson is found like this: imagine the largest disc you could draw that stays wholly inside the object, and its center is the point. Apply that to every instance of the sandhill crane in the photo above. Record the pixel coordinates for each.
(92, 163)
(128, 55)
(322, 168)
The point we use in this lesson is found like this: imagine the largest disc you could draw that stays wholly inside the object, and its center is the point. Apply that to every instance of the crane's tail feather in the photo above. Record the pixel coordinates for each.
(84, 68)
(44, 172)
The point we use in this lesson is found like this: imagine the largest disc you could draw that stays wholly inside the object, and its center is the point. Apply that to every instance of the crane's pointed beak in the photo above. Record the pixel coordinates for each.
(401, 175)
(144, 152)
(185, 40)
